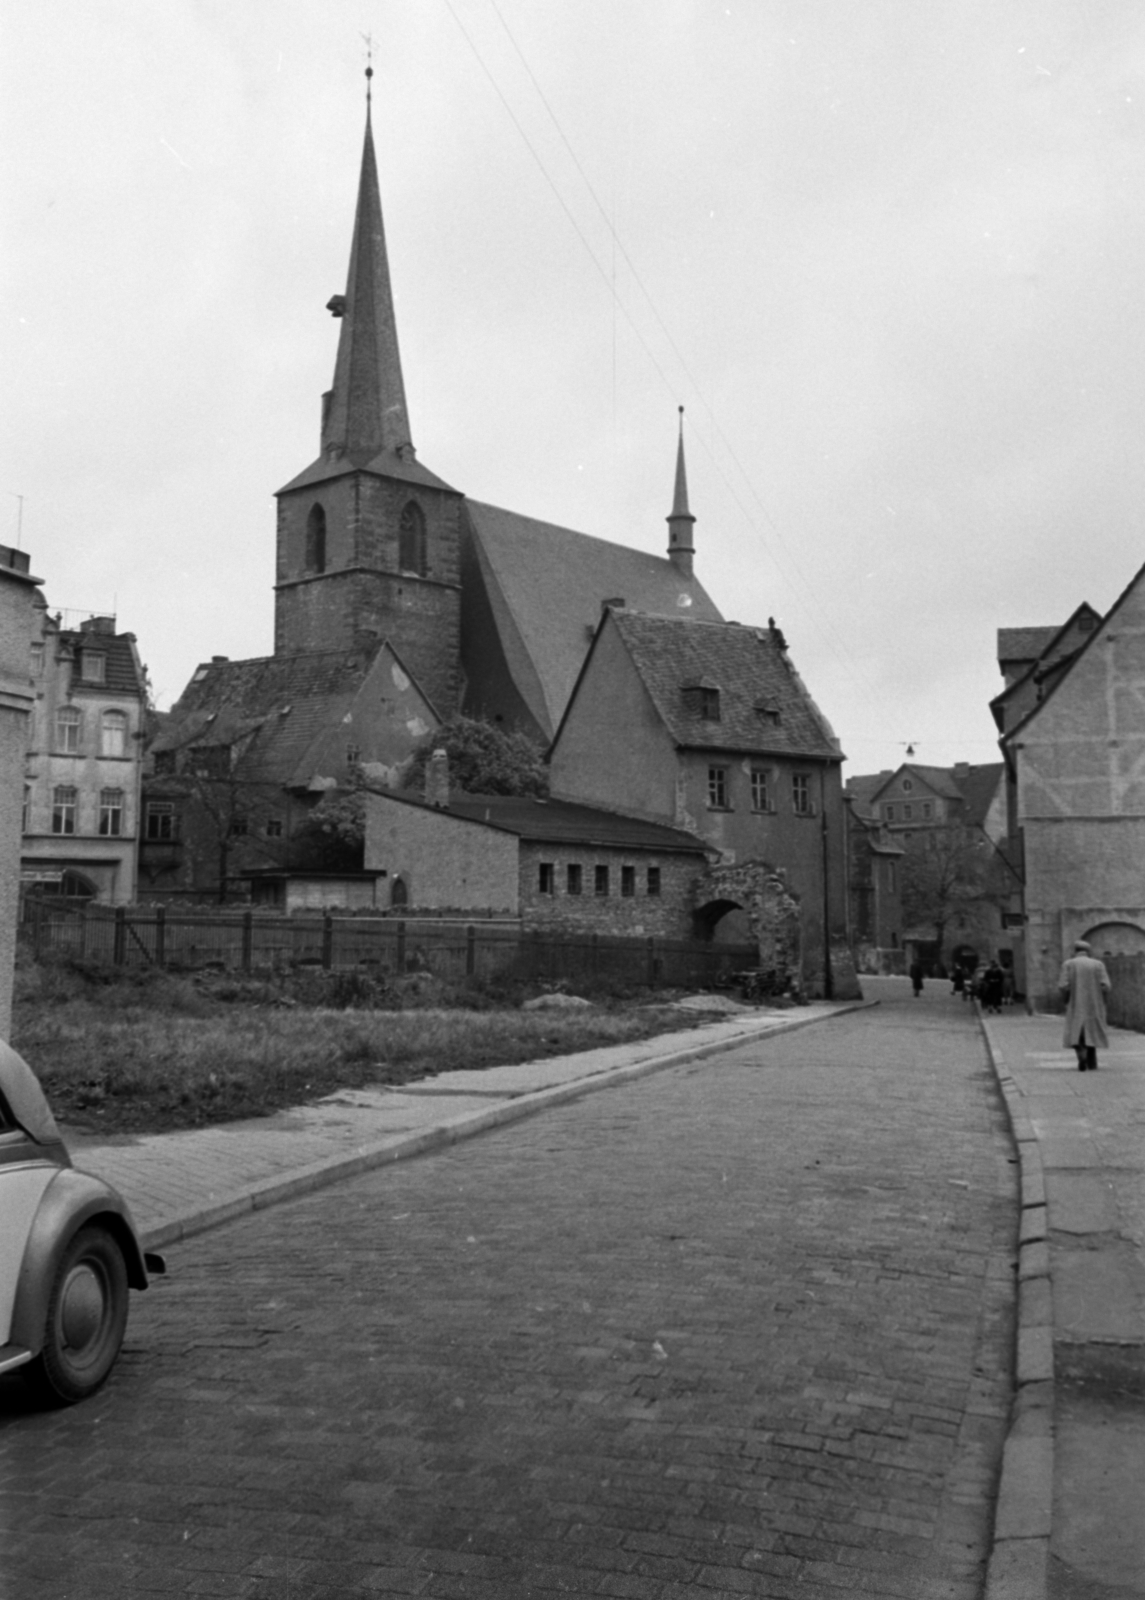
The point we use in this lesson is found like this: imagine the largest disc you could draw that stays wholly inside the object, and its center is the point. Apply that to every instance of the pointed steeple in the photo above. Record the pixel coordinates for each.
(681, 520)
(364, 414)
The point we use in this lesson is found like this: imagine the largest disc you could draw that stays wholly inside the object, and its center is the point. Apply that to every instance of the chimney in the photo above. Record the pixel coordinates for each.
(437, 779)
(961, 769)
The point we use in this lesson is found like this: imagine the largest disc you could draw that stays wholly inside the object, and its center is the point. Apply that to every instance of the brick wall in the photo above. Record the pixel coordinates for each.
(664, 916)
(362, 590)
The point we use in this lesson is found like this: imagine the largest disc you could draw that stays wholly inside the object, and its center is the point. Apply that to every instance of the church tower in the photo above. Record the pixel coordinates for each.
(368, 538)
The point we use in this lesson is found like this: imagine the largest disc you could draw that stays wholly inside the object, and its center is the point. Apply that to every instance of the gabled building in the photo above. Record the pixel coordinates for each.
(556, 864)
(493, 612)
(874, 882)
(919, 799)
(1075, 757)
(83, 764)
(707, 726)
(954, 818)
(251, 746)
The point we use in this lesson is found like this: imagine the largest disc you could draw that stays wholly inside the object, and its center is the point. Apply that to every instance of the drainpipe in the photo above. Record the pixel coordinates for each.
(828, 981)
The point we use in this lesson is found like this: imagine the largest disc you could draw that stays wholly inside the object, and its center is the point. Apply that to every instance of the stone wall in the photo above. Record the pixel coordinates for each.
(667, 915)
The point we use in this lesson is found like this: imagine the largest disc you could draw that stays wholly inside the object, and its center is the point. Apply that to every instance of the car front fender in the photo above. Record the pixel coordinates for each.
(72, 1200)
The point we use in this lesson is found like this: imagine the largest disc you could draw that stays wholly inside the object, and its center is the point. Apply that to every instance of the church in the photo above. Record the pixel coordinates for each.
(400, 601)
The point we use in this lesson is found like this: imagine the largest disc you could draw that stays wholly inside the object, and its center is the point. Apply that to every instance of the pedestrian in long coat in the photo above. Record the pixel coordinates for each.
(1084, 984)
(916, 977)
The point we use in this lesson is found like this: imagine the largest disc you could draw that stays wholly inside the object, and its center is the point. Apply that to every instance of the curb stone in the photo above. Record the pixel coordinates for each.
(318, 1174)
(1020, 1553)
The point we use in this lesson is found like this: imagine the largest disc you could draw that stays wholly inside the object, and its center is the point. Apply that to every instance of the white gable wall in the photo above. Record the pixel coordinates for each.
(1081, 797)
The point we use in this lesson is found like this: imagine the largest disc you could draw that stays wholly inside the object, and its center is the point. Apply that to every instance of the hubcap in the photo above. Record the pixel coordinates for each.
(82, 1307)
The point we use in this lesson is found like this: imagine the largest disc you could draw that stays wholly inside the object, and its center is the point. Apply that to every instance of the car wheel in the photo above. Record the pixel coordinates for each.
(87, 1315)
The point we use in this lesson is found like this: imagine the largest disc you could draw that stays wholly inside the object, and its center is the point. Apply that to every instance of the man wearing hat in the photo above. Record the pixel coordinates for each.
(1084, 984)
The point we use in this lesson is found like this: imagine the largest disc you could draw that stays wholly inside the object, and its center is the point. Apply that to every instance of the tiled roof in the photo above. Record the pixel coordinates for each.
(285, 702)
(121, 673)
(979, 787)
(751, 670)
(565, 822)
(549, 585)
(1024, 644)
(386, 464)
(863, 787)
(941, 779)
(974, 786)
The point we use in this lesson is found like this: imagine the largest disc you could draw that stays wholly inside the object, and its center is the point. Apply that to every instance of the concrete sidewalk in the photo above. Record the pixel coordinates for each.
(178, 1184)
(1071, 1509)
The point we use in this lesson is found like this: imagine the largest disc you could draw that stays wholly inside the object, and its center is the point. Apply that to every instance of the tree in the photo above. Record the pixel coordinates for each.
(332, 838)
(952, 876)
(483, 759)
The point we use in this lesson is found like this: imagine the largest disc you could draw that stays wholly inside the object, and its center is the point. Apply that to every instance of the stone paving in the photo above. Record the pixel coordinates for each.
(1089, 1130)
(743, 1327)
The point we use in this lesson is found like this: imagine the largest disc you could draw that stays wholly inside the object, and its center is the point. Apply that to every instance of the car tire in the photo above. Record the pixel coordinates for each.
(87, 1316)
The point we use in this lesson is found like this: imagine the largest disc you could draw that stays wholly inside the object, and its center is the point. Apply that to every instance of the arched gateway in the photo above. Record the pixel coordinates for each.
(771, 908)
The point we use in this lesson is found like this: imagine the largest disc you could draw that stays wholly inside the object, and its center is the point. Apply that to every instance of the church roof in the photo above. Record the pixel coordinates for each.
(764, 706)
(546, 585)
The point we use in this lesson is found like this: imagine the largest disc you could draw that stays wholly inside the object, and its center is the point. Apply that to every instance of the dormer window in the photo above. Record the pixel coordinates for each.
(768, 712)
(315, 560)
(411, 539)
(702, 699)
(93, 666)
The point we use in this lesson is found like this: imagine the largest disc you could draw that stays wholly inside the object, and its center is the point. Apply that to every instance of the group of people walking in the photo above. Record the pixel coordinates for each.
(1083, 984)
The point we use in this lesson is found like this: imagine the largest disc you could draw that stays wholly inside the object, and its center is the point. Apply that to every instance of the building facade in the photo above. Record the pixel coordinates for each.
(1076, 761)
(707, 727)
(83, 765)
(17, 624)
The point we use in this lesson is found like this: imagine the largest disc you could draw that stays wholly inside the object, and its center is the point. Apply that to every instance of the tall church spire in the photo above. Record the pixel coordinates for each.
(681, 520)
(364, 414)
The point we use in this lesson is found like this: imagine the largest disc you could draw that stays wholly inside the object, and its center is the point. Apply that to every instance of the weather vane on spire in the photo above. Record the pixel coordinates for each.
(369, 39)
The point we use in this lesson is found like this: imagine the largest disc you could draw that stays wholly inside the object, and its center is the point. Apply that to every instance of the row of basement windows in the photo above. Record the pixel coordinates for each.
(764, 790)
(70, 727)
(65, 810)
(574, 880)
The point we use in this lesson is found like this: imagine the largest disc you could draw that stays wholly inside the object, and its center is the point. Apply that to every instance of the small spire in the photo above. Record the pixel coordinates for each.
(680, 521)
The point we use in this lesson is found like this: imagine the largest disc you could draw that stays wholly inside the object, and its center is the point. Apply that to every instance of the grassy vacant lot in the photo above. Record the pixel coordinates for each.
(124, 1051)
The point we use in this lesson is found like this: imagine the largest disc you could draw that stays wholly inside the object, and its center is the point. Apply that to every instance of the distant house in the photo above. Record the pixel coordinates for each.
(556, 864)
(874, 862)
(84, 761)
(1073, 735)
(955, 817)
(249, 749)
(706, 726)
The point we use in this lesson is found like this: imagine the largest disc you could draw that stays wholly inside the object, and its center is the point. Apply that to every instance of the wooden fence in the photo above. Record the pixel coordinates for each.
(252, 941)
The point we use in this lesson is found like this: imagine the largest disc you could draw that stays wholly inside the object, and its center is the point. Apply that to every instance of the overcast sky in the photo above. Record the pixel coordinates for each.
(889, 255)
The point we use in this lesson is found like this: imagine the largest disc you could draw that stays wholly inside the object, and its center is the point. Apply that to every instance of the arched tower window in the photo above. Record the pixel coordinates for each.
(316, 540)
(411, 539)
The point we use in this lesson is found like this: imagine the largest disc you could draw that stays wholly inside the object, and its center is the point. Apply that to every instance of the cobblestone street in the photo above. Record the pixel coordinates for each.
(740, 1328)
